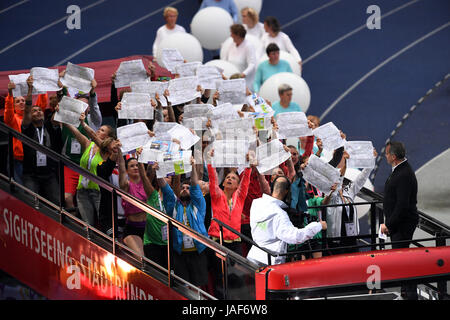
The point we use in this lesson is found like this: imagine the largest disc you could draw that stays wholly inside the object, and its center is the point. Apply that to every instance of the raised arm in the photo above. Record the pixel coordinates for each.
(123, 177)
(28, 103)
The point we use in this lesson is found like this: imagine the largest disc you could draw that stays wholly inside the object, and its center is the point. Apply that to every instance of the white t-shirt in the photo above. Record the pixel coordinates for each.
(164, 32)
(283, 42)
(257, 30)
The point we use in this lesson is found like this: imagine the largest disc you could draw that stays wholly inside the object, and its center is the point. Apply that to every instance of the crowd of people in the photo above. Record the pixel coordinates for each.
(271, 208)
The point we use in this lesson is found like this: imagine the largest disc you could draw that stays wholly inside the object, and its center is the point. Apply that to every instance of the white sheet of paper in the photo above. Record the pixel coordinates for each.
(21, 89)
(292, 125)
(175, 163)
(259, 104)
(361, 154)
(232, 91)
(330, 135)
(151, 87)
(45, 79)
(171, 58)
(271, 155)
(70, 110)
(208, 76)
(187, 69)
(184, 135)
(230, 153)
(381, 235)
(133, 136)
(78, 77)
(236, 129)
(195, 116)
(130, 71)
(222, 112)
(320, 174)
(182, 90)
(136, 106)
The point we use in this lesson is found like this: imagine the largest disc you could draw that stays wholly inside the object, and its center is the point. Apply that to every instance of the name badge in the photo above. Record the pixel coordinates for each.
(350, 229)
(188, 242)
(164, 233)
(75, 147)
(41, 159)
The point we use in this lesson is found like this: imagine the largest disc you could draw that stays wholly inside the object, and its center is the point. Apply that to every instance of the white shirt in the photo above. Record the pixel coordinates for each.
(257, 30)
(242, 56)
(162, 33)
(272, 229)
(283, 42)
(393, 168)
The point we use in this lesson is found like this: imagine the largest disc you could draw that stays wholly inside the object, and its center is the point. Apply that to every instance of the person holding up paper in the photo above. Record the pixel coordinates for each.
(170, 15)
(190, 257)
(285, 104)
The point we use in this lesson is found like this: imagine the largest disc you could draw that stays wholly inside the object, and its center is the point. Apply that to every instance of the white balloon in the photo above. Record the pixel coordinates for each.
(228, 68)
(254, 4)
(300, 89)
(351, 174)
(211, 26)
(187, 44)
(284, 55)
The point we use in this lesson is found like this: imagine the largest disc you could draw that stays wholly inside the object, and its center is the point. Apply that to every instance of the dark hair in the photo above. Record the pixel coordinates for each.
(283, 185)
(273, 24)
(128, 161)
(186, 181)
(272, 47)
(397, 149)
(239, 30)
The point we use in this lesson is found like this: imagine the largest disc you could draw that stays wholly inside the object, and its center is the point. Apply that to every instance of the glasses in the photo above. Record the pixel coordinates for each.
(81, 95)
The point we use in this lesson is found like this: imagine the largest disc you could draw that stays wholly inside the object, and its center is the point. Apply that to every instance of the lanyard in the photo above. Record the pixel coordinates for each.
(91, 156)
(40, 135)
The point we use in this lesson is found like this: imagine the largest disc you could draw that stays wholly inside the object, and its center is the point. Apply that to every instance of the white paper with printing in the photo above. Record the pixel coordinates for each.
(78, 77)
(152, 88)
(130, 71)
(195, 116)
(70, 110)
(21, 89)
(292, 125)
(187, 69)
(136, 106)
(235, 129)
(330, 135)
(161, 129)
(45, 79)
(320, 174)
(175, 163)
(182, 90)
(361, 154)
(222, 112)
(230, 153)
(271, 155)
(232, 91)
(133, 136)
(262, 120)
(184, 135)
(208, 76)
(171, 58)
(259, 104)
(155, 150)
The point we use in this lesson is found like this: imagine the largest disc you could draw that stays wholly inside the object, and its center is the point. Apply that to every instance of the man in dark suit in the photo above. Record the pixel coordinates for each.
(400, 199)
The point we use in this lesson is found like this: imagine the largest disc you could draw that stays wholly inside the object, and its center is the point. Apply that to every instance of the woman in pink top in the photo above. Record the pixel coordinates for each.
(133, 179)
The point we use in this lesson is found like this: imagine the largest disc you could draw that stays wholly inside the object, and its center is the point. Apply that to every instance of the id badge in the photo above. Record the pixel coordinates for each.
(350, 229)
(188, 242)
(41, 159)
(75, 147)
(164, 233)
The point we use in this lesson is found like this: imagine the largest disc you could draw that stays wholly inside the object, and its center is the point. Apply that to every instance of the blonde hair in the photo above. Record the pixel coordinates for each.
(252, 14)
(169, 9)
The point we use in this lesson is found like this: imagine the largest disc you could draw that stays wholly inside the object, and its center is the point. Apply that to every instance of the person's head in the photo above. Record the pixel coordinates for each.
(249, 16)
(37, 115)
(395, 152)
(285, 93)
(238, 33)
(107, 145)
(170, 15)
(273, 52)
(315, 120)
(277, 172)
(19, 104)
(204, 186)
(280, 188)
(131, 165)
(231, 181)
(106, 131)
(185, 193)
(294, 154)
(53, 101)
(271, 25)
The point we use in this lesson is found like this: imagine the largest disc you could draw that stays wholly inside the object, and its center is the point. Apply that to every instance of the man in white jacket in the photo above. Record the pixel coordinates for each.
(271, 227)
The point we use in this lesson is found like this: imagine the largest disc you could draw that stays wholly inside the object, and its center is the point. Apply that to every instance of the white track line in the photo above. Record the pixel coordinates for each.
(332, 44)
(13, 6)
(326, 5)
(378, 67)
(46, 27)
(114, 32)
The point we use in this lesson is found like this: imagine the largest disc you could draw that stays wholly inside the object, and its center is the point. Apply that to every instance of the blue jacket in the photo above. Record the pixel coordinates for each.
(195, 213)
(298, 196)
